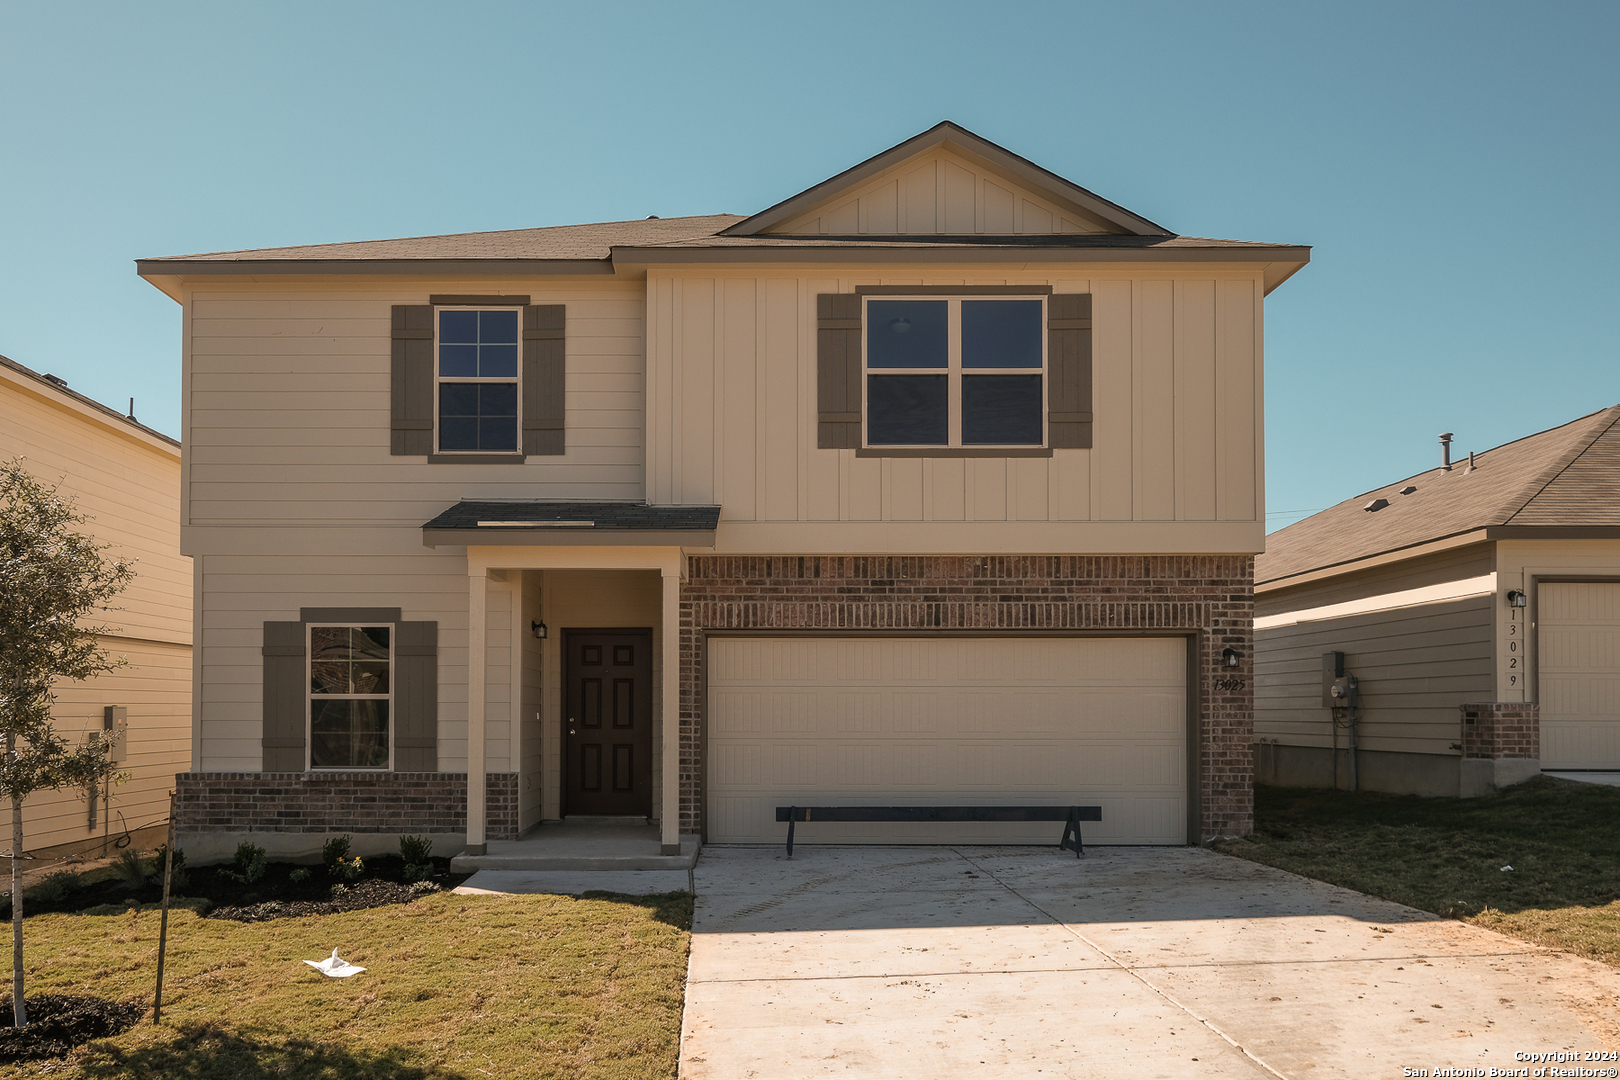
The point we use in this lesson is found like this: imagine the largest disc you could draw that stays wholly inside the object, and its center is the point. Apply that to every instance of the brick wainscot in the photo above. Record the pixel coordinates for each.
(372, 807)
(1209, 597)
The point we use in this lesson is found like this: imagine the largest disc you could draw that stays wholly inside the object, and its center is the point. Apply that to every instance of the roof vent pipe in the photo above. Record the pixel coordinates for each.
(1445, 451)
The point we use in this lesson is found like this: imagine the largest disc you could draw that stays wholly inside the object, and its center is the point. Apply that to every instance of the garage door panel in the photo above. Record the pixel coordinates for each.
(1578, 667)
(954, 721)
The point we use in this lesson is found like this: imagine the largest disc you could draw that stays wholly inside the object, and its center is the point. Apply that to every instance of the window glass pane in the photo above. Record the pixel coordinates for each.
(1001, 410)
(458, 360)
(498, 327)
(906, 410)
(497, 361)
(478, 416)
(1001, 333)
(458, 326)
(907, 333)
(347, 734)
(329, 660)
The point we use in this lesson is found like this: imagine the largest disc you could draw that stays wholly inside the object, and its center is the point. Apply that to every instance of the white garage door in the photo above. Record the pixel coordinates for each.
(1578, 658)
(947, 721)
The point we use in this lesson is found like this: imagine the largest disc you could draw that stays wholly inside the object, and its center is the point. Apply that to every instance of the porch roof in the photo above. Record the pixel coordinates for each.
(516, 523)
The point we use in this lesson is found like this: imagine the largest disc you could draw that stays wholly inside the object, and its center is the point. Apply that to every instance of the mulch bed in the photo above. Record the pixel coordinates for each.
(362, 894)
(59, 1022)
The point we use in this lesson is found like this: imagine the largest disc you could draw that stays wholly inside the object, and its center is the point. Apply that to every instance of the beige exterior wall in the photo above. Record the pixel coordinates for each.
(939, 193)
(287, 390)
(1520, 563)
(1418, 635)
(241, 592)
(1176, 465)
(128, 482)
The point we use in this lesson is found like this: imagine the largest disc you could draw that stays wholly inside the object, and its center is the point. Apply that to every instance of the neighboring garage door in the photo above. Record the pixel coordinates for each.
(1578, 661)
(947, 721)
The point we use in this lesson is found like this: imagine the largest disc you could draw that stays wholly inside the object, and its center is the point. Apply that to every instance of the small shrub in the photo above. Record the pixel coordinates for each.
(334, 851)
(348, 869)
(339, 890)
(177, 873)
(52, 888)
(299, 876)
(249, 864)
(422, 888)
(132, 869)
(415, 849)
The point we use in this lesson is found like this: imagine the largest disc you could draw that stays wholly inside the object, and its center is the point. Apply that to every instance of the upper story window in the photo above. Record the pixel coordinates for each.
(954, 372)
(477, 380)
(350, 696)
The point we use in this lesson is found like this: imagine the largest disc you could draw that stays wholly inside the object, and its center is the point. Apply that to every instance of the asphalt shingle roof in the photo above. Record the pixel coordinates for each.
(601, 515)
(1565, 476)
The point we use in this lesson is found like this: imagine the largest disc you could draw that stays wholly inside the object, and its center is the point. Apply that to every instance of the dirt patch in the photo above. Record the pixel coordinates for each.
(59, 1022)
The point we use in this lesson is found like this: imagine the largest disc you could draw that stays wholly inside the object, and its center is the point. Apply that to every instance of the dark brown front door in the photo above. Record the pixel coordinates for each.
(607, 721)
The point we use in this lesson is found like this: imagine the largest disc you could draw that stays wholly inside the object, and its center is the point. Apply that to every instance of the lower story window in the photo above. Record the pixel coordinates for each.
(350, 694)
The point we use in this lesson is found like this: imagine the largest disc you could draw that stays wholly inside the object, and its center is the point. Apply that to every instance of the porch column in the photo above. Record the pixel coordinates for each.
(477, 632)
(670, 831)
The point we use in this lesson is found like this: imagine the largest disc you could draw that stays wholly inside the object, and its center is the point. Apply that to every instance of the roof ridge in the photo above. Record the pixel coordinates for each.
(1606, 419)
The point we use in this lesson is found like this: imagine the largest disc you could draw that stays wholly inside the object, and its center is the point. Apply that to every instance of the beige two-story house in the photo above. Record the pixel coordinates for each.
(125, 478)
(937, 482)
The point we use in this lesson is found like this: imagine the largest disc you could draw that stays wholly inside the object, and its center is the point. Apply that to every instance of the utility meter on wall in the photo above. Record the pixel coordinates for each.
(1344, 692)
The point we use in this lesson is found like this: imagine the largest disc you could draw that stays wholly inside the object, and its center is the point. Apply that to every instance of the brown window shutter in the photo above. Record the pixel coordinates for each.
(416, 697)
(285, 687)
(838, 371)
(1068, 365)
(544, 378)
(411, 380)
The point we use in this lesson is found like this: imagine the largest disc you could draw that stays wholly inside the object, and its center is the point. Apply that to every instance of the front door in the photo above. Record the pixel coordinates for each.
(607, 722)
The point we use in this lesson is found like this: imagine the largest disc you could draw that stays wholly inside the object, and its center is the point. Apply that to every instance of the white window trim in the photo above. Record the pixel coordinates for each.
(516, 380)
(953, 372)
(310, 695)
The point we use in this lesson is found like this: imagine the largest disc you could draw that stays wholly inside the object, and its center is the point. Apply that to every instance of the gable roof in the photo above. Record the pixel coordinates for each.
(627, 247)
(1567, 477)
(53, 388)
(963, 141)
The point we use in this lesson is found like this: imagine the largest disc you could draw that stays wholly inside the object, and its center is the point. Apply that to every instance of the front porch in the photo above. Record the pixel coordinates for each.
(590, 844)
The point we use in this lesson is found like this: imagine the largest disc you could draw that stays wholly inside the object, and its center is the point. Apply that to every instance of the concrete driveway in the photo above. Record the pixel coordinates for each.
(1134, 962)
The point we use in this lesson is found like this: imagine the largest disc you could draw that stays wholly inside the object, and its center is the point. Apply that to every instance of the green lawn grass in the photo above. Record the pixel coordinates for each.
(1562, 839)
(455, 986)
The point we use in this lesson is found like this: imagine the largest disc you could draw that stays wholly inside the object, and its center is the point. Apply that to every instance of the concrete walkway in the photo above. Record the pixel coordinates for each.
(1134, 962)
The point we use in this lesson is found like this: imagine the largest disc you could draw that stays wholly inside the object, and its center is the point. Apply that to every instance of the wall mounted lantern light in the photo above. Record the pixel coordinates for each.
(539, 630)
(1516, 598)
(1229, 657)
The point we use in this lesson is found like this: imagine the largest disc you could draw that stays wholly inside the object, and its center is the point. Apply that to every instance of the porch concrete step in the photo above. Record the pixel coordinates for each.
(527, 855)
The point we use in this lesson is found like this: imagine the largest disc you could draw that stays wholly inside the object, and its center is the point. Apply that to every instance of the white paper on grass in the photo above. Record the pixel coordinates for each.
(335, 967)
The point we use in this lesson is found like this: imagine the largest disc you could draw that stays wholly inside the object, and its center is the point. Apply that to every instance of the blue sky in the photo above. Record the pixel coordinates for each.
(1453, 165)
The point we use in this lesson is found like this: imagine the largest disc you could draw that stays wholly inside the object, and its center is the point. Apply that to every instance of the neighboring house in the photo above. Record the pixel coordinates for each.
(1478, 605)
(126, 478)
(938, 482)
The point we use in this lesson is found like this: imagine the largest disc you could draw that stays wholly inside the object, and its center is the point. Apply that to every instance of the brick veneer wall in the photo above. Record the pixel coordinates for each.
(350, 802)
(1212, 595)
(1501, 729)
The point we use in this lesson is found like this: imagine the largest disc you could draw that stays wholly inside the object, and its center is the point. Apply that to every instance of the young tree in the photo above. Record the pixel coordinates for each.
(52, 579)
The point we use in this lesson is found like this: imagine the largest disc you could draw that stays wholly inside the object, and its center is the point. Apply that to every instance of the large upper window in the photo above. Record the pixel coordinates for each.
(350, 692)
(955, 372)
(477, 380)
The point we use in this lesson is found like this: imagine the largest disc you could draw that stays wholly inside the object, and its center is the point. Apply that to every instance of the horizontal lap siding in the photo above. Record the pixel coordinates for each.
(241, 592)
(732, 410)
(289, 398)
(1415, 666)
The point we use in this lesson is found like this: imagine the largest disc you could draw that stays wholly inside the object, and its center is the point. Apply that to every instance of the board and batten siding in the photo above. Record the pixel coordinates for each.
(1176, 463)
(288, 406)
(241, 592)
